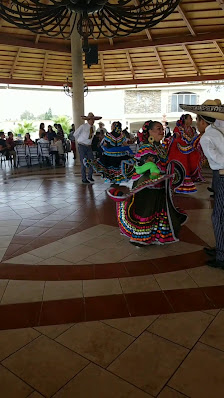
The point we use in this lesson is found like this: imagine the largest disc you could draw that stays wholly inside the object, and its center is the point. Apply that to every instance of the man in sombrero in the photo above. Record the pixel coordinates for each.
(210, 123)
(84, 136)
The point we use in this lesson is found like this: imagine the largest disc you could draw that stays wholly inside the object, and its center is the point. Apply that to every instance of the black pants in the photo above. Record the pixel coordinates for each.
(218, 217)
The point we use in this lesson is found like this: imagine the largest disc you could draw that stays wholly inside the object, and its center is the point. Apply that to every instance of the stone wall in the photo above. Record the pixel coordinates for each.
(142, 101)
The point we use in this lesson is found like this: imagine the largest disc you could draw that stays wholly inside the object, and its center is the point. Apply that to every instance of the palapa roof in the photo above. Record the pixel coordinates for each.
(187, 46)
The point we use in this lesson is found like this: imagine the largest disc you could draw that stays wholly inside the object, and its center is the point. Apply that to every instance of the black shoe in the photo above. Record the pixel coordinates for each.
(212, 196)
(215, 263)
(210, 251)
(91, 179)
(85, 182)
(210, 189)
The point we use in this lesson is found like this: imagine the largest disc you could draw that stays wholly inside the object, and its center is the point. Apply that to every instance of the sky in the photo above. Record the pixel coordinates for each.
(13, 102)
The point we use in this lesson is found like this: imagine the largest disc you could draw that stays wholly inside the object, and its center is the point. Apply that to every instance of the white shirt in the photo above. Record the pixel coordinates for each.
(82, 134)
(212, 142)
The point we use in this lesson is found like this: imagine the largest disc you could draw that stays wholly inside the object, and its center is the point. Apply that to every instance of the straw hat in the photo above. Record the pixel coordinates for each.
(91, 116)
(210, 108)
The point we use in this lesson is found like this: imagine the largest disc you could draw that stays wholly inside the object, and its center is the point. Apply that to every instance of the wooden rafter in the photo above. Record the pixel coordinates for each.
(160, 61)
(102, 65)
(13, 40)
(130, 63)
(37, 38)
(188, 78)
(219, 48)
(15, 62)
(183, 15)
(191, 59)
(45, 65)
(221, 3)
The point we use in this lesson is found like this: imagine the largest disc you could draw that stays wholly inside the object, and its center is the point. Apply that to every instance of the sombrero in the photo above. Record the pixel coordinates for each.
(91, 116)
(210, 108)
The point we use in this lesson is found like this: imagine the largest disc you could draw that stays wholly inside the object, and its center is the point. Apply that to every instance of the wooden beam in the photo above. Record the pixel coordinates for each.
(102, 65)
(221, 3)
(14, 40)
(15, 62)
(45, 65)
(219, 48)
(37, 39)
(191, 59)
(183, 15)
(130, 63)
(160, 62)
(177, 79)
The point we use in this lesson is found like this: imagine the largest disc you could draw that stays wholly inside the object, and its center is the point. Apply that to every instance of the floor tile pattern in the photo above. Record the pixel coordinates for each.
(83, 313)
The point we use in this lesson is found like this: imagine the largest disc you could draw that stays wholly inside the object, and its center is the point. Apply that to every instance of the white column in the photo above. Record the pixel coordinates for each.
(77, 80)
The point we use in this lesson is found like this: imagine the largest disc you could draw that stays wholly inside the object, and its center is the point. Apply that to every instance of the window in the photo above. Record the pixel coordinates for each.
(182, 98)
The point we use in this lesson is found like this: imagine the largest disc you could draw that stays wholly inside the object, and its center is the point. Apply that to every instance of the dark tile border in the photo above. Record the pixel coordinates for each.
(102, 271)
(15, 316)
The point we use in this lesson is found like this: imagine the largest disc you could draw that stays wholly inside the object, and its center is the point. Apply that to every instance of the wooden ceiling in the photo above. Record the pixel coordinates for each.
(186, 46)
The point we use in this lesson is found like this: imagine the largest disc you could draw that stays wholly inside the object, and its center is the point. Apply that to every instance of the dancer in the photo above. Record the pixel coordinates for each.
(147, 214)
(210, 117)
(115, 163)
(184, 146)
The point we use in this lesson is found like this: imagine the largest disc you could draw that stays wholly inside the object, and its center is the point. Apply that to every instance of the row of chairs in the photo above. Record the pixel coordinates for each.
(32, 155)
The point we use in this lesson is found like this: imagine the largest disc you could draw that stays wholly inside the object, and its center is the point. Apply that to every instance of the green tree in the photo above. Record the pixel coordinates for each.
(27, 115)
(65, 122)
(48, 115)
(23, 128)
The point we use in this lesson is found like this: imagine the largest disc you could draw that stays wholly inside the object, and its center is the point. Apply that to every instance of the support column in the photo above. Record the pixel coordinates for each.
(77, 80)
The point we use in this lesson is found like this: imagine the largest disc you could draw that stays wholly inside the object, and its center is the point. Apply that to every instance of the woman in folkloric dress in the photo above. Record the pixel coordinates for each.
(116, 158)
(147, 214)
(184, 146)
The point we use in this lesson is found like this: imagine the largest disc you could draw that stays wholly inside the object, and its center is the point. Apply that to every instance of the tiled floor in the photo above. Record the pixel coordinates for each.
(85, 314)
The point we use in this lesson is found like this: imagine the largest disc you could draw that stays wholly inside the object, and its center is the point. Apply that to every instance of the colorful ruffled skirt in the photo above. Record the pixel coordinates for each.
(115, 164)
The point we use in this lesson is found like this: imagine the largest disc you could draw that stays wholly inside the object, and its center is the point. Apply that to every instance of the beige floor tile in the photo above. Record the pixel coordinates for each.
(201, 374)
(110, 255)
(25, 258)
(101, 287)
(3, 285)
(76, 239)
(53, 331)
(45, 365)
(133, 326)
(8, 230)
(13, 340)
(35, 395)
(96, 341)
(83, 262)
(212, 312)
(2, 252)
(146, 283)
(5, 241)
(103, 242)
(183, 328)
(149, 362)
(207, 276)
(101, 229)
(23, 292)
(11, 386)
(184, 247)
(59, 290)
(95, 382)
(55, 261)
(49, 251)
(10, 223)
(175, 280)
(170, 393)
(77, 253)
(213, 336)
